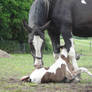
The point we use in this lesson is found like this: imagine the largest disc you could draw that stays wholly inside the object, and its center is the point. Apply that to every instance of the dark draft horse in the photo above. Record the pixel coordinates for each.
(65, 17)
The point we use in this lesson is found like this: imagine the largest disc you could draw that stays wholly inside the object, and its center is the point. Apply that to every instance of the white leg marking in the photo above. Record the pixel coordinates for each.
(64, 52)
(72, 55)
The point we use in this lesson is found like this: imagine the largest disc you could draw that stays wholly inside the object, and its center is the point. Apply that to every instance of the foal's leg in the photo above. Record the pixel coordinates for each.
(85, 70)
(76, 73)
(55, 39)
(66, 31)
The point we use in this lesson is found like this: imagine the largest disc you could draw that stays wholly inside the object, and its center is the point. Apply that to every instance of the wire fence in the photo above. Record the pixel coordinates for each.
(82, 46)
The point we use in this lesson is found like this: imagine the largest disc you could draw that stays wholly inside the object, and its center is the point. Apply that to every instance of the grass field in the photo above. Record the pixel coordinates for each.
(82, 46)
(12, 69)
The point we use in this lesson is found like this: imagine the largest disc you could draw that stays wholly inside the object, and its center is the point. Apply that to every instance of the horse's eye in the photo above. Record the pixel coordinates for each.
(31, 41)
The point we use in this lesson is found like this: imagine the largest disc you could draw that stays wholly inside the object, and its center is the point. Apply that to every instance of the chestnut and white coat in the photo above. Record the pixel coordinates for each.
(61, 71)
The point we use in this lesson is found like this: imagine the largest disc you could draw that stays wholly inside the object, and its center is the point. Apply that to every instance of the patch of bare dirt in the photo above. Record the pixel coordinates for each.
(12, 84)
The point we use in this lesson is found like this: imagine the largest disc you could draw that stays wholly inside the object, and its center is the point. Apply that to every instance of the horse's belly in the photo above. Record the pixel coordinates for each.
(83, 31)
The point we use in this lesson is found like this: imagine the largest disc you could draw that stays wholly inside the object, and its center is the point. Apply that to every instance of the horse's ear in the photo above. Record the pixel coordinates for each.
(29, 29)
(45, 26)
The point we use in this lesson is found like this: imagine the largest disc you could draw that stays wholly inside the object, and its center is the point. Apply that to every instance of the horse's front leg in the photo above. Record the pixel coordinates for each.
(72, 55)
(55, 39)
(66, 31)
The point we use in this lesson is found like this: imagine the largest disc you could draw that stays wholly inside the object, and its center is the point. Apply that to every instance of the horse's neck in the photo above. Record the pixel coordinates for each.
(51, 7)
(38, 14)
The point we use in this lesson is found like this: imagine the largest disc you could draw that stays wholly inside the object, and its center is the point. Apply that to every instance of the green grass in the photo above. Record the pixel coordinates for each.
(86, 61)
(12, 69)
(20, 64)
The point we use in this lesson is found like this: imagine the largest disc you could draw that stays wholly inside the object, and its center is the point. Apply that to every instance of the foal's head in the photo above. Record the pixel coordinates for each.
(36, 41)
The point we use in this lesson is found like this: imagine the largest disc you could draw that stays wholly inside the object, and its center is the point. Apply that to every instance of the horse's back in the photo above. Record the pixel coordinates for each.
(82, 18)
(77, 13)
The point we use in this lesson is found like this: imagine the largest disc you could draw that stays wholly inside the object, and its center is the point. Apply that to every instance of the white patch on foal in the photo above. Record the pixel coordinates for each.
(56, 65)
(37, 75)
(83, 2)
(37, 42)
(59, 62)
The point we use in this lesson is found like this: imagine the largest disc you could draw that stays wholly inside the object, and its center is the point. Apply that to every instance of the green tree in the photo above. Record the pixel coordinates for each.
(12, 12)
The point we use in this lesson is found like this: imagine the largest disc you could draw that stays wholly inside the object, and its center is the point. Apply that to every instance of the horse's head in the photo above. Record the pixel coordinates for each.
(36, 41)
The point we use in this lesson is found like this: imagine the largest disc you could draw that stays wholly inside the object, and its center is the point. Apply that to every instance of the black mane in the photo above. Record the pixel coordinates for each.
(38, 13)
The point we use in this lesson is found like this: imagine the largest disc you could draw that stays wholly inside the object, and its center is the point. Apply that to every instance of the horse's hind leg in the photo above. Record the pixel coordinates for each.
(55, 39)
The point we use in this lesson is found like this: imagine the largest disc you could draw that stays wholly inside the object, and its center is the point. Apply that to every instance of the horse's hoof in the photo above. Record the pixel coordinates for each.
(77, 56)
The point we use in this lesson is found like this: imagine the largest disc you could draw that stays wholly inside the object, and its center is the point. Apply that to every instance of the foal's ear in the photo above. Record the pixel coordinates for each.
(45, 26)
(29, 29)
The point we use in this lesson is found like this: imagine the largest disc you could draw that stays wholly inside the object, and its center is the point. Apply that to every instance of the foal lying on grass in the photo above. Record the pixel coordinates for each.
(61, 71)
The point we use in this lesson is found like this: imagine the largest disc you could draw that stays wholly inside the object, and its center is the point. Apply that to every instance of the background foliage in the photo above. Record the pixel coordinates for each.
(12, 13)
(12, 33)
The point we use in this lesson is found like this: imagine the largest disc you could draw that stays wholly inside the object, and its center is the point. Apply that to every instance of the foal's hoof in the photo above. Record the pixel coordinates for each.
(76, 80)
(25, 79)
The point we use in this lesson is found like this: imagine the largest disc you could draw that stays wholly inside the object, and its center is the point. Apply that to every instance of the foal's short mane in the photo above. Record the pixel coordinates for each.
(66, 59)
